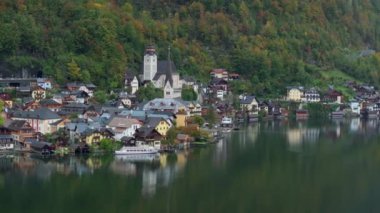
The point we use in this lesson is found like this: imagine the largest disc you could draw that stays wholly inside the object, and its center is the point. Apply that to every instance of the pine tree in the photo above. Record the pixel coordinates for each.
(74, 70)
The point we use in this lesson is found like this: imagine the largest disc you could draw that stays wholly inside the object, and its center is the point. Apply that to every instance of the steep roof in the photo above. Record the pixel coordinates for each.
(154, 121)
(247, 99)
(144, 131)
(16, 125)
(166, 68)
(218, 81)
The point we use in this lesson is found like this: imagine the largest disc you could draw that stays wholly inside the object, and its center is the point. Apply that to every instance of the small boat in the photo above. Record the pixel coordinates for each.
(236, 128)
(302, 114)
(226, 130)
(136, 150)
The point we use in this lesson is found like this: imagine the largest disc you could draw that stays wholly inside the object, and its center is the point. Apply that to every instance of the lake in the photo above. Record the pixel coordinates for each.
(330, 166)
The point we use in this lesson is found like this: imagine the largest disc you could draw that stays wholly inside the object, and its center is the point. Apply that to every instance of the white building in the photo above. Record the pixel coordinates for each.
(161, 73)
(355, 107)
(123, 126)
(44, 83)
(311, 96)
(131, 82)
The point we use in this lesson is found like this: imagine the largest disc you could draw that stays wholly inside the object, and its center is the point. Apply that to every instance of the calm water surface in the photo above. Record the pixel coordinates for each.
(329, 166)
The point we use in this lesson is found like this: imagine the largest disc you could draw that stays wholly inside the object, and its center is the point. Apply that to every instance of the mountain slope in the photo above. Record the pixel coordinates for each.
(272, 43)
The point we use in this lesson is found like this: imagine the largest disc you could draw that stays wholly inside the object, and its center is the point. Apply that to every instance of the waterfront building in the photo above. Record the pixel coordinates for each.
(295, 94)
(311, 96)
(249, 103)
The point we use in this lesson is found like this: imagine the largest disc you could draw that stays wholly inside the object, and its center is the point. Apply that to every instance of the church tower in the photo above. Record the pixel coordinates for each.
(150, 63)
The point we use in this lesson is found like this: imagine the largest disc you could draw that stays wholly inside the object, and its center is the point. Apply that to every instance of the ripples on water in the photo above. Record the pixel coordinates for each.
(268, 167)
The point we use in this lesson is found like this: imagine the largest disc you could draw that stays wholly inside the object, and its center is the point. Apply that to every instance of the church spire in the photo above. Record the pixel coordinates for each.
(169, 76)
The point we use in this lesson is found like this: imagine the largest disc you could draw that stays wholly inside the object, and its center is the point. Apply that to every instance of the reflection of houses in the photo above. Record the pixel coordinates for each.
(355, 124)
(299, 135)
(149, 182)
(122, 167)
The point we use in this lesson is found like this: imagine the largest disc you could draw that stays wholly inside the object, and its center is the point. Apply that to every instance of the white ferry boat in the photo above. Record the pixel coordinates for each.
(136, 150)
(138, 158)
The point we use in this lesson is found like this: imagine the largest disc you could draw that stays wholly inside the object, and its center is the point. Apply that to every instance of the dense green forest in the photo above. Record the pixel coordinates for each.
(272, 43)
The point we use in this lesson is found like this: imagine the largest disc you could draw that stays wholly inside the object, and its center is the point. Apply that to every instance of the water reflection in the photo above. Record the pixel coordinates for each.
(281, 161)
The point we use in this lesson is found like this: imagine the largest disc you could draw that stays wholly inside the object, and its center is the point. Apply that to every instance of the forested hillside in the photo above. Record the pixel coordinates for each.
(272, 43)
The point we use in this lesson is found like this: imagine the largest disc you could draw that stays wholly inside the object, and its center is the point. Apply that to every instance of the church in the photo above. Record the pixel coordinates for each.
(162, 73)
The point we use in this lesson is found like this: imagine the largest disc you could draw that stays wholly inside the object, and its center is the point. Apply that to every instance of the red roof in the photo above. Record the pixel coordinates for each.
(219, 71)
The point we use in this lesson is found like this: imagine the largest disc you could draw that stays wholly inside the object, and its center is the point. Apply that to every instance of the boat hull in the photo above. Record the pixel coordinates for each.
(135, 152)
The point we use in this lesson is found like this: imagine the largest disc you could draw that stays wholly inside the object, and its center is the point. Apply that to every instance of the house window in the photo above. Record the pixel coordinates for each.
(167, 93)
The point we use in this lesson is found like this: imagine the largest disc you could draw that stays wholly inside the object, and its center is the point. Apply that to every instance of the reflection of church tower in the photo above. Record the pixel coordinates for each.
(150, 63)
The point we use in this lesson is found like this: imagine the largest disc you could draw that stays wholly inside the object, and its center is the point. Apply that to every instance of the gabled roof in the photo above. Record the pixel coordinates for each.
(145, 131)
(57, 122)
(45, 102)
(247, 99)
(76, 105)
(166, 68)
(153, 122)
(17, 125)
(133, 113)
(40, 114)
(77, 127)
(295, 87)
(218, 81)
(122, 122)
(88, 132)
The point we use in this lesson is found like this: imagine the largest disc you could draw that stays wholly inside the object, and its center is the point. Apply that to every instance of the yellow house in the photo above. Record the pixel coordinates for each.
(160, 125)
(181, 118)
(295, 94)
(95, 136)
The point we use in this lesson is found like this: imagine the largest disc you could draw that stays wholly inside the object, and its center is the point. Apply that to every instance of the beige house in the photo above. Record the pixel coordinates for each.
(249, 103)
(295, 94)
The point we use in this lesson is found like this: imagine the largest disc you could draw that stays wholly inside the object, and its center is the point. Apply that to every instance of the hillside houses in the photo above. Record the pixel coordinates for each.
(40, 119)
